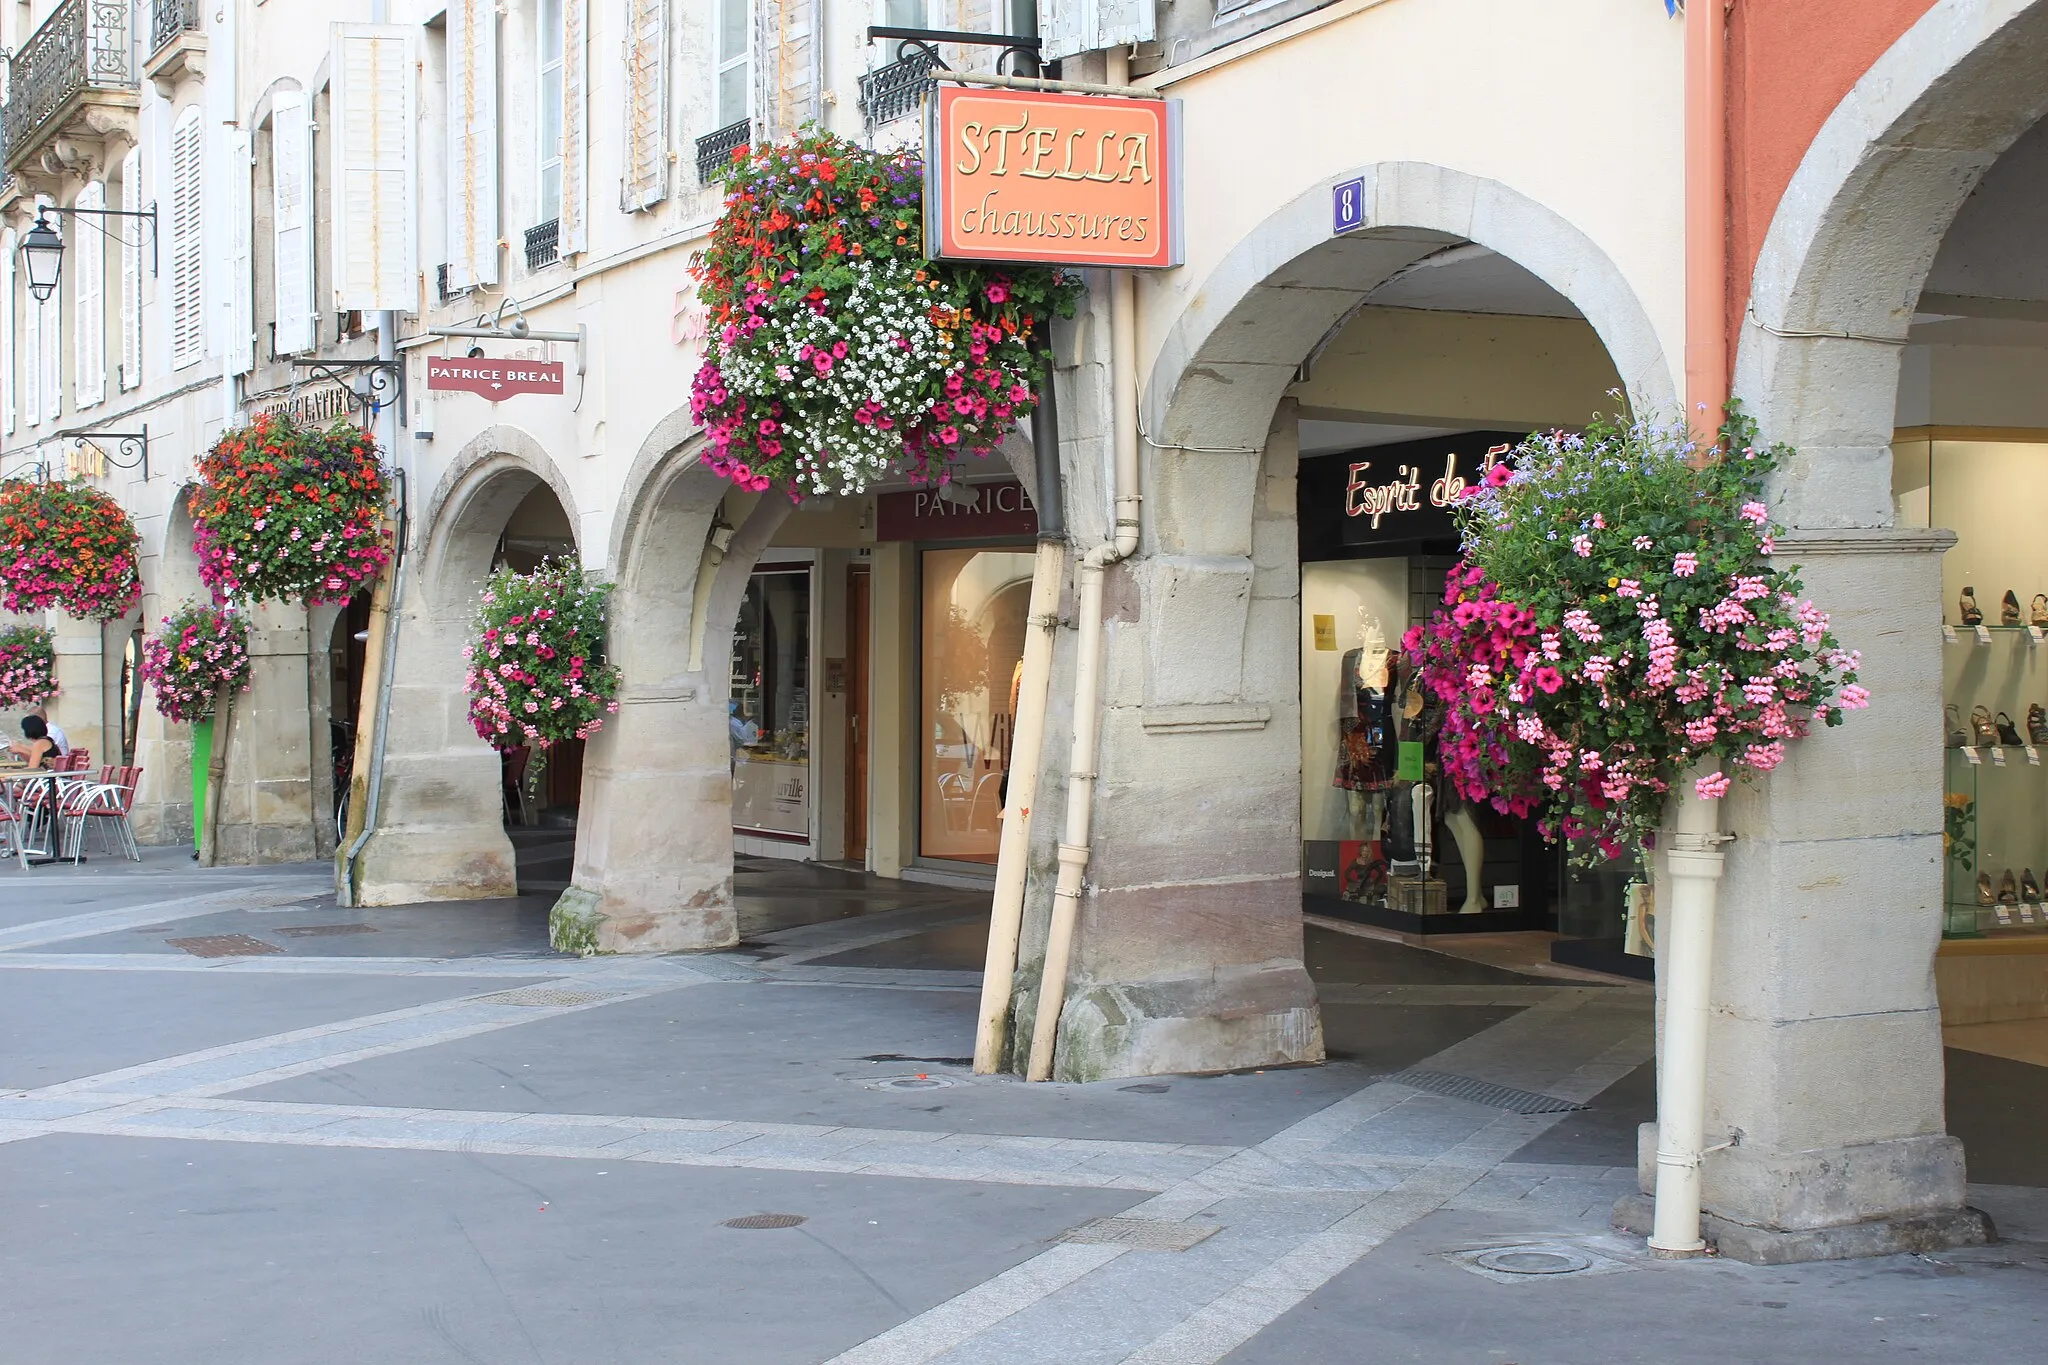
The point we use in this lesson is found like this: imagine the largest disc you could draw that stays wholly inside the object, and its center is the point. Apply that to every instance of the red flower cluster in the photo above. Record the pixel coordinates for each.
(292, 514)
(68, 546)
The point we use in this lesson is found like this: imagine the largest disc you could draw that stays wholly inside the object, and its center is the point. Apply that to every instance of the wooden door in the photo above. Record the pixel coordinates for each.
(857, 713)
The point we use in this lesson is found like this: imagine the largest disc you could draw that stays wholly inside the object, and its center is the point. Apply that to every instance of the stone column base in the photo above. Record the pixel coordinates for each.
(409, 865)
(1233, 1019)
(1963, 1227)
(586, 922)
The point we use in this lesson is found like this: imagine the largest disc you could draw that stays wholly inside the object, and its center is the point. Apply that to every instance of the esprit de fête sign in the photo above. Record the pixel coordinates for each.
(493, 379)
(1052, 179)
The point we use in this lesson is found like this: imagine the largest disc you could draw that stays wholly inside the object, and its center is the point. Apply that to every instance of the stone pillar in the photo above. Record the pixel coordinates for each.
(266, 804)
(1825, 1070)
(440, 831)
(80, 705)
(162, 813)
(1188, 950)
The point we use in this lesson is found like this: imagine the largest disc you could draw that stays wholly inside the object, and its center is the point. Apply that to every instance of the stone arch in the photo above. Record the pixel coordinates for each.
(1855, 233)
(440, 831)
(1232, 352)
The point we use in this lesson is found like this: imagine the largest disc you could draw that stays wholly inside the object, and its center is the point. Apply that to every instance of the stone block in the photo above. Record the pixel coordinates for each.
(1188, 928)
(1195, 628)
(1200, 502)
(1278, 319)
(1227, 1020)
(1960, 1227)
(1788, 1086)
(587, 921)
(404, 865)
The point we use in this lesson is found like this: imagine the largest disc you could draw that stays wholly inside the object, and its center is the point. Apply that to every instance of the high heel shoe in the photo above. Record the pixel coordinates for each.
(2008, 889)
(2009, 610)
(2006, 733)
(1968, 602)
(2037, 724)
(1954, 735)
(2030, 890)
(1984, 896)
(2040, 609)
(1982, 728)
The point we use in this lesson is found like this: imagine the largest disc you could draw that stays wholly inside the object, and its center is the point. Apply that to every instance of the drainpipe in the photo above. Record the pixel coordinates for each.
(1693, 855)
(1706, 211)
(1074, 849)
(1006, 924)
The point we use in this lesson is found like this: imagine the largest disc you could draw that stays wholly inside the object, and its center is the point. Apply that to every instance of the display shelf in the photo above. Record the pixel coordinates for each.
(1999, 813)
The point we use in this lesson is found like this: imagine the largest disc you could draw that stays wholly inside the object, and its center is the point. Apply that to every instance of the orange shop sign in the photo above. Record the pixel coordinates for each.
(1052, 179)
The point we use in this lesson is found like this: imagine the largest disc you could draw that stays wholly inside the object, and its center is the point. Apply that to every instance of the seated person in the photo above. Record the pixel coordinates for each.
(35, 744)
(57, 735)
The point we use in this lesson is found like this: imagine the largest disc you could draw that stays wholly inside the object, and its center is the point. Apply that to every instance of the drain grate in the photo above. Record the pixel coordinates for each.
(550, 997)
(1485, 1092)
(760, 1221)
(224, 945)
(321, 930)
(1142, 1234)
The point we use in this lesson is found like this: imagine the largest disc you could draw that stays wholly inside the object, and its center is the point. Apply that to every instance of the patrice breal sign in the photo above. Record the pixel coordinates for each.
(493, 379)
(1052, 179)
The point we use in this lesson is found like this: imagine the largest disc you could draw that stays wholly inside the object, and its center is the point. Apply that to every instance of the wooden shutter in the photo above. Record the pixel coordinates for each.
(575, 219)
(472, 142)
(291, 221)
(646, 177)
(52, 376)
(31, 357)
(240, 343)
(376, 251)
(785, 91)
(188, 258)
(131, 272)
(7, 331)
(89, 301)
(1067, 27)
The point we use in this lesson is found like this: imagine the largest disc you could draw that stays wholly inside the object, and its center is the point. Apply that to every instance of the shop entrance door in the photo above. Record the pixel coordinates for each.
(857, 714)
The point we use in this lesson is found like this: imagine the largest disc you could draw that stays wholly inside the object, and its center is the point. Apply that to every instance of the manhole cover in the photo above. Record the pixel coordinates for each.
(1526, 1261)
(550, 997)
(758, 1221)
(1144, 1234)
(224, 945)
(922, 1080)
(321, 930)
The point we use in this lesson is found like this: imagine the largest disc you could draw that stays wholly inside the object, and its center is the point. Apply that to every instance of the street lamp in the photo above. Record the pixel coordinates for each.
(42, 251)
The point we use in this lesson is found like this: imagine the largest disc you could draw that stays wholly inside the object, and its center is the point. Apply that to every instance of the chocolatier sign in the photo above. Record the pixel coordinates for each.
(493, 379)
(1052, 179)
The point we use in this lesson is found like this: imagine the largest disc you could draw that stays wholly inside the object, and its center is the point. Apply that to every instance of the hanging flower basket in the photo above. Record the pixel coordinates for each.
(67, 546)
(201, 653)
(1619, 618)
(536, 672)
(838, 354)
(28, 667)
(289, 513)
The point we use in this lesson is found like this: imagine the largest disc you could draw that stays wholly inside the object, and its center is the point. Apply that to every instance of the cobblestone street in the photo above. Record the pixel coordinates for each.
(240, 1125)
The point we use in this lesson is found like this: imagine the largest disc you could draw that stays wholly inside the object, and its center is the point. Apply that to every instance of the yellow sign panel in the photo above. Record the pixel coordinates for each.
(1326, 632)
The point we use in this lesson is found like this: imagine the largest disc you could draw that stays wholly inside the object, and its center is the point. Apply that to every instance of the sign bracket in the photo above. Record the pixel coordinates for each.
(133, 445)
(384, 382)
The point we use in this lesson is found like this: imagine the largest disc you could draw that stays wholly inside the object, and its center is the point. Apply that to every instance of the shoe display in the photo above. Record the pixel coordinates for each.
(1983, 731)
(2008, 889)
(1968, 603)
(2030, 890)
(2037, 724)
(2040, 609)
(2009, 610)
(1953, 733)
(2006, 733)
(1984, 896)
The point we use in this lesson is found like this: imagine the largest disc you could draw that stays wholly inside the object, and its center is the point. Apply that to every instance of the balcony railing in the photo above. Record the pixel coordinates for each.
(544, 244)
(84, 46)
(714, 150)
(889, 92)
(168, 19)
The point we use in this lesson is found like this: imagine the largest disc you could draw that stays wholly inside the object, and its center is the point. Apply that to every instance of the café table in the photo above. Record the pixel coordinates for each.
(39, 831)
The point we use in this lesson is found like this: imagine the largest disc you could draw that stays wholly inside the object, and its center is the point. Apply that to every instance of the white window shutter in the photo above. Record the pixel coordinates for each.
(240, 344)
(472, 142)
(89, 302)
(291, 221)
(1067, 27)
(376, 249)
(7, 331)
(188, 258)
(575, 220)
(31, 358)
(53, 359)
(646, 174)
(131, 271)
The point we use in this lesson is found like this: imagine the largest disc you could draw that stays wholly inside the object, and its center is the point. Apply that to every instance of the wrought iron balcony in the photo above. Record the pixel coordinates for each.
(543, 244)
(75, 75)
(715, 150)
(889, 92)
(169, 20)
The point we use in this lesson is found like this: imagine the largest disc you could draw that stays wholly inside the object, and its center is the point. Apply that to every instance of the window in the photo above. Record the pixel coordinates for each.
(971, 651)
(188, 261)
(734, 70)
(770, 720)
(7, 330)
(905, 14)
(131, 271)
(89, 298)
(550, 45)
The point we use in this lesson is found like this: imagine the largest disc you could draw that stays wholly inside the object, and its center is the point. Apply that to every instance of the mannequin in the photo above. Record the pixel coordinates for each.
(1363, 671)
(1464, 828)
